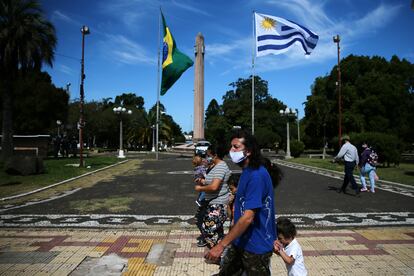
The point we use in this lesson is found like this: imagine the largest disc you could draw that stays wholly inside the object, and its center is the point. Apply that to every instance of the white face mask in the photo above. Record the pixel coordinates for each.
(237, 156)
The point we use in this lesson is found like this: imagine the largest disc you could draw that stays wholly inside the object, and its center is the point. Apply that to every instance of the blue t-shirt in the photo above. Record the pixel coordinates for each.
(255, 191)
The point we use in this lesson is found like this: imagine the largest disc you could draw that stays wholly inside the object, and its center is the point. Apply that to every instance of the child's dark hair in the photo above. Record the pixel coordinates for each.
(234, 179)
(220, 150)
(286, 228)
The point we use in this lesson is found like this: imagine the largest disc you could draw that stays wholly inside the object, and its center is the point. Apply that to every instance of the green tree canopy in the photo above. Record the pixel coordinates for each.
(376, 97)
(40, 104)
(236, 111)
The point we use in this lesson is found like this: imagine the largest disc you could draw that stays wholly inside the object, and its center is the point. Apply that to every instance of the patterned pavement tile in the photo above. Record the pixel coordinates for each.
(371, 251)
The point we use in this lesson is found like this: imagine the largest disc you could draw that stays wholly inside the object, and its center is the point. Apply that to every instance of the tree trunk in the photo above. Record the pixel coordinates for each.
(7, 126)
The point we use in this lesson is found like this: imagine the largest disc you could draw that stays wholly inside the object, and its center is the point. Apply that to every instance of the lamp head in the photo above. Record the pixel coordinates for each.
(336, 39)
(85, 30)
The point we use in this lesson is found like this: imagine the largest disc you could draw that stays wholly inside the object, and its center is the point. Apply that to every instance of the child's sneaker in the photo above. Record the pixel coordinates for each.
(364, 189)
(201, 243)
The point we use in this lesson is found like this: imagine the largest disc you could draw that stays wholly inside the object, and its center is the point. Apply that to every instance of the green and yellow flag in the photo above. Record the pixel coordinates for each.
(174, 63)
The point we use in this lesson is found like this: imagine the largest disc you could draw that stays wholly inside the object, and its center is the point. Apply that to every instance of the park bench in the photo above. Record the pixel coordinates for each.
(319, 155)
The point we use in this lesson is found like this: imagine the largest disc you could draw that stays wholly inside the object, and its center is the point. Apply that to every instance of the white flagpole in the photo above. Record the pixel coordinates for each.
(158, 85)
(254, 48)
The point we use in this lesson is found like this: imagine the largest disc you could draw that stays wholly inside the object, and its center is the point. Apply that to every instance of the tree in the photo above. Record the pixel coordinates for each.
(215, 124)
(39, 104)
(130, 99)
(376, 97)
(236, 111)
(27, 40)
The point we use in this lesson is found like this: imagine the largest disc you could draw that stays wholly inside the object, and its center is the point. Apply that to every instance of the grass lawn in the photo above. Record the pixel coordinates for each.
(404, 173)
(56, 171)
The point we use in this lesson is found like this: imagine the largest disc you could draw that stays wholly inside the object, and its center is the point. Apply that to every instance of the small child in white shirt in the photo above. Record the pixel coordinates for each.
(288, 248)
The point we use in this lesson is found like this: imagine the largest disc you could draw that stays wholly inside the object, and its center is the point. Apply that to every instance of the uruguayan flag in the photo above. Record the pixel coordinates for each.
(274, 35)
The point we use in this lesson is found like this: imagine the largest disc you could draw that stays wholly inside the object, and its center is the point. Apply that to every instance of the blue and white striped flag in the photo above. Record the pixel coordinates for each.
(274, 35)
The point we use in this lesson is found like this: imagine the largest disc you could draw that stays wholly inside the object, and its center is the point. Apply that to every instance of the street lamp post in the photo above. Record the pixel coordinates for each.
(288, 112)
(119, 111)
(67, 88)
(337, 39)
(58, 123)
(84, 31)
(153, 138)
(297, 113)
(324, 140)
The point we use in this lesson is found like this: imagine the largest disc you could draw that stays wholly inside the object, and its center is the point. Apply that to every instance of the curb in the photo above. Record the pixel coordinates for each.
(62, 182)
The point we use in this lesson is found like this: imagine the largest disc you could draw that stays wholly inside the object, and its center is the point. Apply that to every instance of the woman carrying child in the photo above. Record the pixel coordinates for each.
(216, 197)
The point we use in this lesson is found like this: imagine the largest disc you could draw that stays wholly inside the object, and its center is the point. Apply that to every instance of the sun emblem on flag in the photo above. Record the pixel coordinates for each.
(268, 23)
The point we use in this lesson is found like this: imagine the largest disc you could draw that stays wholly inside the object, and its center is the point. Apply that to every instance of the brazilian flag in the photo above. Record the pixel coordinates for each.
(174, 63)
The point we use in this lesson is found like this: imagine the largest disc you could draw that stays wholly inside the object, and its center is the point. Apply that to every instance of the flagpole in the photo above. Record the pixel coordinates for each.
(158, 85)
(254, 46)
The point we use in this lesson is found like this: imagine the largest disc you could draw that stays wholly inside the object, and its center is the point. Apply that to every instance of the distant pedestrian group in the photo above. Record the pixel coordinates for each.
(64, 146)
(367, 164)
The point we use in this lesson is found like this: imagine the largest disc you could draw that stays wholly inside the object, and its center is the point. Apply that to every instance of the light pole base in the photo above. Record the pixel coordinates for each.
(288, 157)
(121, 154)
(153, 149)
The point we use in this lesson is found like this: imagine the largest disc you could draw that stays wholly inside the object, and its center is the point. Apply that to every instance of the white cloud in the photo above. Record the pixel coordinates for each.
(58, 15)
(374, 20)
(123, 50)
(311, 14)
(190, 8)
(66, 70)
(215, 50)
(128, 12)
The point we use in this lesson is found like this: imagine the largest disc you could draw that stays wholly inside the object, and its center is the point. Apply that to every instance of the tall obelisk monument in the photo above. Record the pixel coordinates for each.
(199, 89)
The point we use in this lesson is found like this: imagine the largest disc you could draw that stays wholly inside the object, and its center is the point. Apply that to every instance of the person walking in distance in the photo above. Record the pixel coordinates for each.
(350, 155)
(367, 167)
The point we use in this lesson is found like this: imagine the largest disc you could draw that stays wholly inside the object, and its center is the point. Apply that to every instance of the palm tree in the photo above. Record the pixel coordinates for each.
(27, 40)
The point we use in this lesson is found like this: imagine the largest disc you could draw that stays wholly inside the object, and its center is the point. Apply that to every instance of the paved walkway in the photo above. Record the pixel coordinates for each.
(369, 251)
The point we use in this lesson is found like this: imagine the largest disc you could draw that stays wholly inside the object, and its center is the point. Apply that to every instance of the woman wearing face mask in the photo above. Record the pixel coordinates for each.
(216, 197)
(250, 240)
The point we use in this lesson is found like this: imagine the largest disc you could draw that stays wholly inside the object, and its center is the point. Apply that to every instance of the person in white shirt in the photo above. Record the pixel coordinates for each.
(288, 248)
(350, 155)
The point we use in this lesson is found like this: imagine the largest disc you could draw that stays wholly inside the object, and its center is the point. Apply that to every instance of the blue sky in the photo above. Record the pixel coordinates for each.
(121, 51)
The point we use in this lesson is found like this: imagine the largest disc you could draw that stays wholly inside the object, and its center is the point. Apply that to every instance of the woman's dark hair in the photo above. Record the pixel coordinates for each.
(219, 150)
(286, 228)
(256, 159)
(274, 171)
